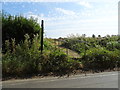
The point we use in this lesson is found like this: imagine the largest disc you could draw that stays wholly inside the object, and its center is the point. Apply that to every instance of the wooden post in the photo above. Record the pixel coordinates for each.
(42, 31)
(85, 51)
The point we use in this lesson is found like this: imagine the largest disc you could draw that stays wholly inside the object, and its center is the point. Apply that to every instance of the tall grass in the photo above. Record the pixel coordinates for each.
(25, 59)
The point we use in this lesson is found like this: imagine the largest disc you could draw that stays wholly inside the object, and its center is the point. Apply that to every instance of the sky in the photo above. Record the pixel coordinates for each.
(66, 17)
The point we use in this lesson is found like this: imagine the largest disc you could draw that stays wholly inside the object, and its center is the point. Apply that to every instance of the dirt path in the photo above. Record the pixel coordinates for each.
(70, 53)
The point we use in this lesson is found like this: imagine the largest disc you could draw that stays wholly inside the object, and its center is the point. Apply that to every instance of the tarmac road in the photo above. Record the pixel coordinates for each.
(97, 80)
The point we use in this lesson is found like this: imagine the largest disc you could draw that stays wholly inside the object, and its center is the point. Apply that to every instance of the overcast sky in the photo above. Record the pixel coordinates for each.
(64, 17)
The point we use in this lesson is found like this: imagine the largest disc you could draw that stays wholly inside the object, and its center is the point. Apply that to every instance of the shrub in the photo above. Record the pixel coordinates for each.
(100, 59)
(54, 61)
(25, 59)
(17, 26)
(113, 45)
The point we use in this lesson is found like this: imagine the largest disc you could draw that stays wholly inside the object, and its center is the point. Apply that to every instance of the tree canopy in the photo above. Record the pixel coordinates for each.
(15, 27)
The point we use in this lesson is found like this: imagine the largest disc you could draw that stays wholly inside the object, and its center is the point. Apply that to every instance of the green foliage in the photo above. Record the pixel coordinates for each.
(100, 58)
(55, 62)
(113, 45)
(25, 58)
(96, 53)
(79, 44)
(17, 26)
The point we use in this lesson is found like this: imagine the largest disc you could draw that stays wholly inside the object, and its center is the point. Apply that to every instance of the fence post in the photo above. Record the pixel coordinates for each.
(42, 31)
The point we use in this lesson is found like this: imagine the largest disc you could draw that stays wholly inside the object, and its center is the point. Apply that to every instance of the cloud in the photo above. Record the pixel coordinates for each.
(66, 12)
(85, 4)
(95, 19)
(39, 17)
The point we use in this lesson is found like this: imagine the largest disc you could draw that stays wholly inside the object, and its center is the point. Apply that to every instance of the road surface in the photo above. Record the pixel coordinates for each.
(98, 80)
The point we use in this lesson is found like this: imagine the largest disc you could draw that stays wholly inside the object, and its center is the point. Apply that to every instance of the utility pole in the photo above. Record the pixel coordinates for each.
(42, 31)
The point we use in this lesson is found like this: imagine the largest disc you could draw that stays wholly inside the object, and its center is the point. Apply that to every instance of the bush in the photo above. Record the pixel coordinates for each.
(55, 61)
(25, 59)
(100, 58)
(113, 45)
(17, 26)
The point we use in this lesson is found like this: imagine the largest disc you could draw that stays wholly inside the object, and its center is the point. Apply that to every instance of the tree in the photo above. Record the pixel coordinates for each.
(17, 26)
(93, 36)
(99, 36)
